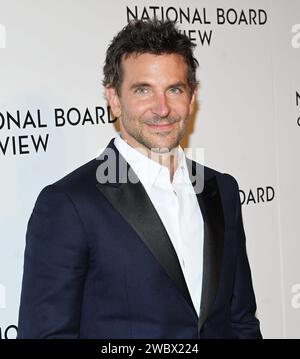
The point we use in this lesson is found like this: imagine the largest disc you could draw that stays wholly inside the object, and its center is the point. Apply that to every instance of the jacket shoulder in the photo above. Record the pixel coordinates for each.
(84, 175)
(81, 181)
(224, 179)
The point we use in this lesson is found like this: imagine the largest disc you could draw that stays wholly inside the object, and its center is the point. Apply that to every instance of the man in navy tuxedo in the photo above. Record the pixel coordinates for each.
(141, 242)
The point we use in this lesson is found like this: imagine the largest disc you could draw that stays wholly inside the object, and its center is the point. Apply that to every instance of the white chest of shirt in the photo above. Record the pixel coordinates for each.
(178, 209)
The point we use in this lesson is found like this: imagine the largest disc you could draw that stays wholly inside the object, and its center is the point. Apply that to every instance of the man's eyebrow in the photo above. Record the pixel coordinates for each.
(139, 84)
(147, 84)
(179, 84)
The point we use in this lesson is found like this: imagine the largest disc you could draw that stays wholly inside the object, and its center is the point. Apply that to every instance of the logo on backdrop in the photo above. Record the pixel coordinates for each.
(201, 18)
(2, 37)
(22, 121)
(297, 105)
(295, 41)
(295, 302)
(9, 332)
(257, 195)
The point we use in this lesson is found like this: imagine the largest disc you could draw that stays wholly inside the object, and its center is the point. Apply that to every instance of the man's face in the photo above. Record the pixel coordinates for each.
(154, 101)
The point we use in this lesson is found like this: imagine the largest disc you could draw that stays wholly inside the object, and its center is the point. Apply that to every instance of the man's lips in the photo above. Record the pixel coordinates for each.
(161, 126)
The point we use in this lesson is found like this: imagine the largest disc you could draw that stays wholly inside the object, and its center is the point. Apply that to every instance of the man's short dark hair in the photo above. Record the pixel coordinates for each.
(151, 36)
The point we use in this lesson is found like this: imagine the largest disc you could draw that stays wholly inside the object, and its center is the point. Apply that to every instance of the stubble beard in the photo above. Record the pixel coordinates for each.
(151, 144)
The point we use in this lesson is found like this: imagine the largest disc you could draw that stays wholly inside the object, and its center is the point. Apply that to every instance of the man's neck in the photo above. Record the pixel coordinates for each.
(167, 159)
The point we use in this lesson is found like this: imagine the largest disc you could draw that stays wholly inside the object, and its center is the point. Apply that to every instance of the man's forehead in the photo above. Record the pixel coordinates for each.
(152, 66)
(147, 67)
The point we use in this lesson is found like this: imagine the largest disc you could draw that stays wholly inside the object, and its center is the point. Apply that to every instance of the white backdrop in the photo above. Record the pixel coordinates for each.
(248, 121)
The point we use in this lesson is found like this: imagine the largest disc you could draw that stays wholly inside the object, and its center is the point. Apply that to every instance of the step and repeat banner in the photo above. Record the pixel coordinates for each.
(54, 118)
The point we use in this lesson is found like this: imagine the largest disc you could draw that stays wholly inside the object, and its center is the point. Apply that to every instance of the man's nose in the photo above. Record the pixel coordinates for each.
(161, 105)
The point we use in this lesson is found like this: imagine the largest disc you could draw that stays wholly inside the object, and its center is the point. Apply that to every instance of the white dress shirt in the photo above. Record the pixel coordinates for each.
(178, 209)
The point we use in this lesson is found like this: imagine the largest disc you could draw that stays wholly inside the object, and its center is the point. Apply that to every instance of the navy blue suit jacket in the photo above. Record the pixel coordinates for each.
(100, 264)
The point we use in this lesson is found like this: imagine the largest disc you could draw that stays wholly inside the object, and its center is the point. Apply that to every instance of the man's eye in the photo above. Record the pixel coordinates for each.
(176, 90)
(141, 90)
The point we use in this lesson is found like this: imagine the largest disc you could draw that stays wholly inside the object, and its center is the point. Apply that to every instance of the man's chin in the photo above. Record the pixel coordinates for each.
(158, 144)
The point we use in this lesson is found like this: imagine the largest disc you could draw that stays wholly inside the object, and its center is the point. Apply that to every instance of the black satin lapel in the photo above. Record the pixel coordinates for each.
(209, 200)
(134, 205)
(212, 211)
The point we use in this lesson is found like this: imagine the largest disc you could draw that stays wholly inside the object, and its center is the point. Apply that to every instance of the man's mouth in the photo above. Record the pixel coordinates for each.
(161, 126)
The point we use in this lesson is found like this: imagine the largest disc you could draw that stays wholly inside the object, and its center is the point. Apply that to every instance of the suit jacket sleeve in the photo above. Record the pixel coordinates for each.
(54, 269)
(243, 306)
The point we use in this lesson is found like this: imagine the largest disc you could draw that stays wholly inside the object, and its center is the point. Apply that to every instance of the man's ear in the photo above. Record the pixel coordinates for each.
(113, 100)
(192, 101)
